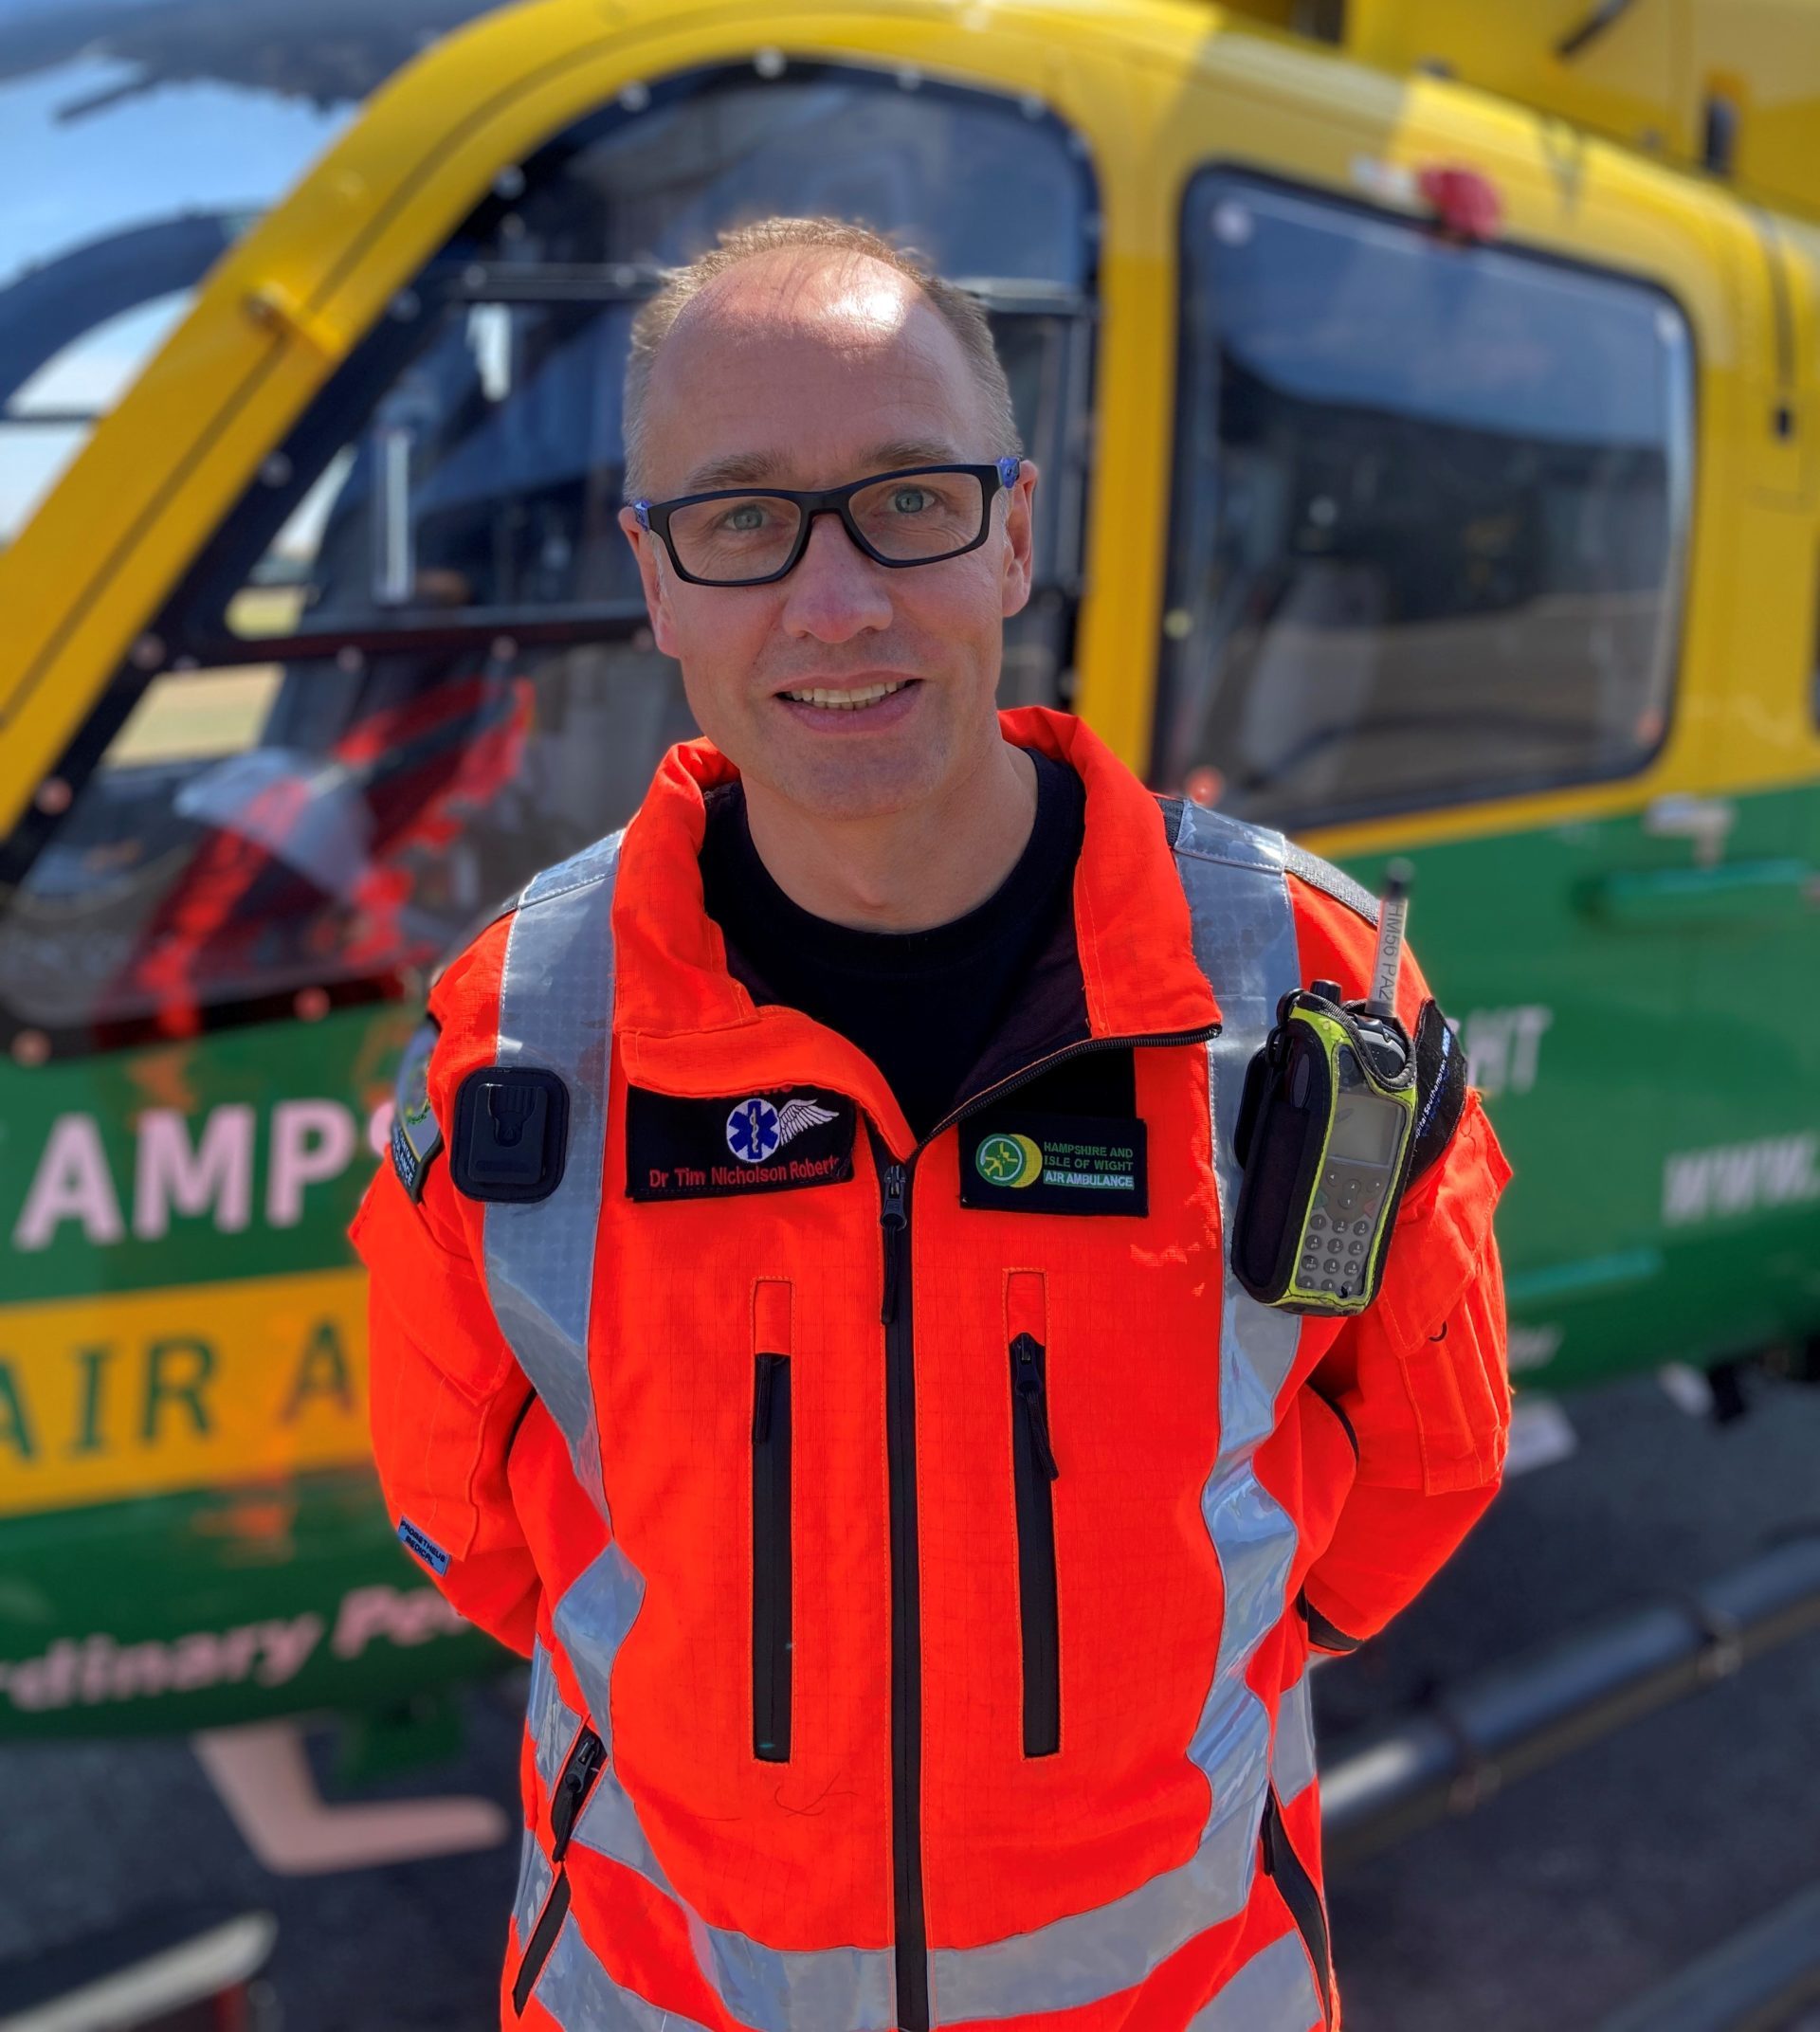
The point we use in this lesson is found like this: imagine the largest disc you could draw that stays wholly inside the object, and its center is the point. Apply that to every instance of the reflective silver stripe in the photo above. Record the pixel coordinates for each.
(557, 1011)
(551, 1721)
(1274, 1992)
(1292, 1756)
(534, 1878)
(831, 1990)
(592, 1620)
(582, 1997)
(1245, 942)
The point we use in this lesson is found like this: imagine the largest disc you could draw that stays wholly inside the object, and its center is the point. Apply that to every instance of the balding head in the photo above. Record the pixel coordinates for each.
(799, 264)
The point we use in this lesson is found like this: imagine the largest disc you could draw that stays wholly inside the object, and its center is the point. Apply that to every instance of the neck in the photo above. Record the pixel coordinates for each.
(903, 871)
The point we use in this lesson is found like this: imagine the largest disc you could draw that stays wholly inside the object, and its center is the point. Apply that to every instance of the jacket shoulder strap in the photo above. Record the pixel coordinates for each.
(557, 1016)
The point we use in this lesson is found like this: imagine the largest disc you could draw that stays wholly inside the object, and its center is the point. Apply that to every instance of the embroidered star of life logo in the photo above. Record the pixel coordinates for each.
(755, 1129)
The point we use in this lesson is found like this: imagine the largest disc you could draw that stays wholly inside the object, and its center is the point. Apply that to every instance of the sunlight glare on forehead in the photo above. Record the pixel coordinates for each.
(879, 305)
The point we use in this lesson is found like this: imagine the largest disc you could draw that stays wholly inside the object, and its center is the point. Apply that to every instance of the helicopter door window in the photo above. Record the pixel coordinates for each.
(413, 660)
(1430, 518)
(484, 486)
(274, 839)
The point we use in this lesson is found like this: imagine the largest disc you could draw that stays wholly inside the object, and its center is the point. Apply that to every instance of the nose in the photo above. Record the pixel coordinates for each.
(836, 592)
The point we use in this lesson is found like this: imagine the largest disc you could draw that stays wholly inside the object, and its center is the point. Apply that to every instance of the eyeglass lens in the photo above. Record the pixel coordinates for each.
(915, 520)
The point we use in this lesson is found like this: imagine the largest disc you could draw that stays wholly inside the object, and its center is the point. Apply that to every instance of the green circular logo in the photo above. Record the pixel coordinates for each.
(1008, 1160)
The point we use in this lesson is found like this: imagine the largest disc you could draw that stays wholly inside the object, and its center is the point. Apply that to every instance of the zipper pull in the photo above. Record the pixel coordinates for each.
(1028, 1379)
(894, 1220)
(573, 1788)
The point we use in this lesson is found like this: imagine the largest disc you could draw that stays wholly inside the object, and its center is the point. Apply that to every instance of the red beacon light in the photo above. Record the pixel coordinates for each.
(1465, 202)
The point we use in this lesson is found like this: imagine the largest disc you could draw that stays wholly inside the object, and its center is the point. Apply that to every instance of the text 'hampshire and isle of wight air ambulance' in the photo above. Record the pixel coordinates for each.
(919, 1538)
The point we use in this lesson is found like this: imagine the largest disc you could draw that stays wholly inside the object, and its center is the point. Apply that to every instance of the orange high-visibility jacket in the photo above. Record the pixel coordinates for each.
(920, 1549)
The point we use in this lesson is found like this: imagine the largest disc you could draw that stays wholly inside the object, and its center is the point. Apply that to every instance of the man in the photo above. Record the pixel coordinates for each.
(801, 1321)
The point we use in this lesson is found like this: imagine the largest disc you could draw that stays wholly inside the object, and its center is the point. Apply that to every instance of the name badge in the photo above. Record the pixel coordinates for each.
(779, 1140)
(1054, 1163)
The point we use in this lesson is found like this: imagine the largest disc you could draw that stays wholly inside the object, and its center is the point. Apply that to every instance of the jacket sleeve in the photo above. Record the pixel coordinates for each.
(1421, 1381)
(447, 1398)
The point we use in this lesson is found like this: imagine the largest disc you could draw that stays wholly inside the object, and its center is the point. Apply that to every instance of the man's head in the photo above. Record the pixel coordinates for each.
(806, 354)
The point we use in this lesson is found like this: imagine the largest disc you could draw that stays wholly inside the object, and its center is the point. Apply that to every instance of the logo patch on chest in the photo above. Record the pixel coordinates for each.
(1054, 1163)
(775, 1141)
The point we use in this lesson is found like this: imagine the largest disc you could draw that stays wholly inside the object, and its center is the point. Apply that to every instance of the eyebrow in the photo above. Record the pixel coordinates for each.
(750, 468)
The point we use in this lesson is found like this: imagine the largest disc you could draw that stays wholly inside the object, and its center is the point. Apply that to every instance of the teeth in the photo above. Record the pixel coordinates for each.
(845, 702)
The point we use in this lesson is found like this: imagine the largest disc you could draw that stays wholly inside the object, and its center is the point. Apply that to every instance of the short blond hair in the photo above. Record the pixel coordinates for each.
(961, 312)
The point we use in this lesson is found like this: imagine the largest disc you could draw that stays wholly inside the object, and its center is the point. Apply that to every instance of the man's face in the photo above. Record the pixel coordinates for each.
(811, 370)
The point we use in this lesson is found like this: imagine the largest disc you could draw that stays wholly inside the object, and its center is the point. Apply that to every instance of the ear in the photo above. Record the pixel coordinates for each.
(655, 579)
(1019, 558)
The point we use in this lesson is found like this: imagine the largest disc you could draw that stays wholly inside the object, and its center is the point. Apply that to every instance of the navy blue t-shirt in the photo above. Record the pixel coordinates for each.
(924, 1006)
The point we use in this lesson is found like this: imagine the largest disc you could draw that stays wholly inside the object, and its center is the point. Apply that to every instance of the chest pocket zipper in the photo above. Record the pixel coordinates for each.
(771, 1560)
(772, 1578)
(1301, 1893)
(1033, 1470)
(581, 1769)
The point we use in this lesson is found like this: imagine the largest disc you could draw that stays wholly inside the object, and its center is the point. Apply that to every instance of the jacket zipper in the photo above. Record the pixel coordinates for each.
(581, 1769)
(912, 1959)
(1033, 1469)
(771, 1560)
(1302, 1897)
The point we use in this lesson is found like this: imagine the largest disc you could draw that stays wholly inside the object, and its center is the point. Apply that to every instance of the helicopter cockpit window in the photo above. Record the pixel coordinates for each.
(481, 472)
(1430, 515)
(413, 666)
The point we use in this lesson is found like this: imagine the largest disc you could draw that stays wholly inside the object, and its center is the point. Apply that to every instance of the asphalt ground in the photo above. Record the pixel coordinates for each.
(1561, 1898)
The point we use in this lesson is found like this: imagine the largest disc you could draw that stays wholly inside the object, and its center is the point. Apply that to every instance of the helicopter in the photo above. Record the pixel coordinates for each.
(1425, 404)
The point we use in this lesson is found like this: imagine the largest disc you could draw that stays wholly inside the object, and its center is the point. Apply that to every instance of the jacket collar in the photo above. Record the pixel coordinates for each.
(686, 1027)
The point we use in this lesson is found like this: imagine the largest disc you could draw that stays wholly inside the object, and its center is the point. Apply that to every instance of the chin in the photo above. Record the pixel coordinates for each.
(849, 788)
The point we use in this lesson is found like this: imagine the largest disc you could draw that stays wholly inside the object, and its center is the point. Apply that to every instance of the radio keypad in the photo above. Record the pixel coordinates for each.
(1340, 1226)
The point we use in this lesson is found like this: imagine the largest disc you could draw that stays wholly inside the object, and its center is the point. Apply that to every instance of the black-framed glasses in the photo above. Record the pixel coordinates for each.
(751, 535)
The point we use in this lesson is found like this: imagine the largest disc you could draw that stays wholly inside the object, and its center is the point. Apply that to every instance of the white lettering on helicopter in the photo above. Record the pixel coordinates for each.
(72, 1184)
(312, 1142)
(1704, 1185)
(90, 1671)
(217, 1173)
(1503, 1046)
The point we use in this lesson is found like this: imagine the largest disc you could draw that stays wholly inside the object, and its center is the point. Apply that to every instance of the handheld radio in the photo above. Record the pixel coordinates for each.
(1325, 1130)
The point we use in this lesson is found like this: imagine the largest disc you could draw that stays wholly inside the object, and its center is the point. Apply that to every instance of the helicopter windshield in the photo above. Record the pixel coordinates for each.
(148, 134)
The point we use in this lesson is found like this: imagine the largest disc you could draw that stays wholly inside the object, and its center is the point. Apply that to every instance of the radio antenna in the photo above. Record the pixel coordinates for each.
(1391, 916)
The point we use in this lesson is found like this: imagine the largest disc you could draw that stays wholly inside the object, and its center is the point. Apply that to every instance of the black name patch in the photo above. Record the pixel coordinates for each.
(779, 1140)
(1054, 1163)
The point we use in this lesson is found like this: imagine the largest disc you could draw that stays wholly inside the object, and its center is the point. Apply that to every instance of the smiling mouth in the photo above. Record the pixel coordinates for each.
(853, 700)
